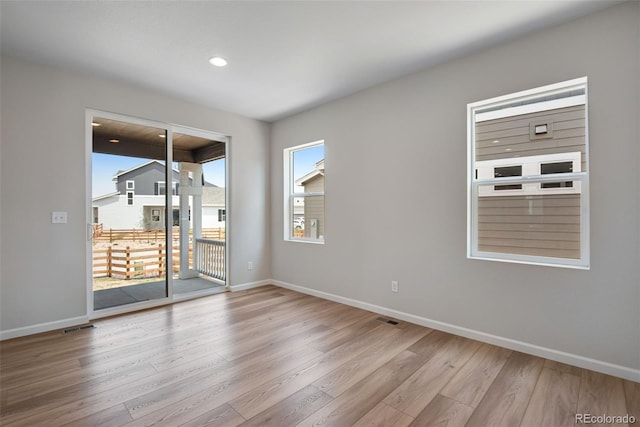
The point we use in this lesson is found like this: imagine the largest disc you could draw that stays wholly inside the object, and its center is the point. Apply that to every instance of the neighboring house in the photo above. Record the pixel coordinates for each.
(138, 201)
(309, 211)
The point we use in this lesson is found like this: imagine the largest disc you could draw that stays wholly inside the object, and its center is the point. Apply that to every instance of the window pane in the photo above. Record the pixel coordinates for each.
(505, 171)
(307, 218)
(514, 137)
(308, 170)
(538, 225)
(560, 167)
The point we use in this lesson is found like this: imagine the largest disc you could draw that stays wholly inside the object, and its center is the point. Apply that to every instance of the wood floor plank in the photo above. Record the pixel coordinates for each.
(595, 393)
(505, 403)
(383, 415)
(340, 379)
(443, 411)
(473, 380)
(291, 410)
(275, 357)
(114, 416)
(195, 371)
(269, 393)
(617, 402)
(632, 395)
(237, 378)
(415, 394)
(346, 334)
(222, 416)
(358, 400)
(70, 394)
(554, 400)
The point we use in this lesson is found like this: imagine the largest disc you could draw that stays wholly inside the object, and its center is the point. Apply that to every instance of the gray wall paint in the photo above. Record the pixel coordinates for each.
(396, 196)
(43, 278)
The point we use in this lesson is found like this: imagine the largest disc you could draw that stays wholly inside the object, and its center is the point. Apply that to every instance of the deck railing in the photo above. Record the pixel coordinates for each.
(209, 258)
(156, 235)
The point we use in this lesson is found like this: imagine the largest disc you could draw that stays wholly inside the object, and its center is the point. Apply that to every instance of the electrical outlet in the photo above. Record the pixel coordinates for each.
(58, 217)
(394, 286)
(250, 266)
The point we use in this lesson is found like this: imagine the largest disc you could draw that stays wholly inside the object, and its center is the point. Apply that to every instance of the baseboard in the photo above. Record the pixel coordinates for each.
(250, 285)
(42, 327)
(547, 353)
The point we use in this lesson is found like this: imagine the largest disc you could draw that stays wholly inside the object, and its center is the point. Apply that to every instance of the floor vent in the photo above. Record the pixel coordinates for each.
(388, 321)
(79, 328)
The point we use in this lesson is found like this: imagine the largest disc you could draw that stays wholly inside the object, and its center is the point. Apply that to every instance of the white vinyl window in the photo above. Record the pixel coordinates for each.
(131, 185)
(528, 193)
(130, 198)
(161, 188)
(304, 173)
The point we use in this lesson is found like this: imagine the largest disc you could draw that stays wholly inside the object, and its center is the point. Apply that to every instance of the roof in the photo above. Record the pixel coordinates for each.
(120, 173)
(106, 196)
(308, 177)
(319, 171)
(213, 196)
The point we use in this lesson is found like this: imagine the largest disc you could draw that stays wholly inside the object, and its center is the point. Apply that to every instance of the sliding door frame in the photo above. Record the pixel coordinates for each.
(170, 129)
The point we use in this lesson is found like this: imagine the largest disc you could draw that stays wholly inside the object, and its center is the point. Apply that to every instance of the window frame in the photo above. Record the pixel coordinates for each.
(579, 177)
(130, 196)
(290, 195)
(130, 185)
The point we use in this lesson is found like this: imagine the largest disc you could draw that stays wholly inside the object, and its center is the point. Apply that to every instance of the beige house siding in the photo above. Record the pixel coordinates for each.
(513, 134)
(531, 224)
(313, 209)
(314, 206)
(545, 225)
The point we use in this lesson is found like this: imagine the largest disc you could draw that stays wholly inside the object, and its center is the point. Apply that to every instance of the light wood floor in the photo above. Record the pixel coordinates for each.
(273, 357)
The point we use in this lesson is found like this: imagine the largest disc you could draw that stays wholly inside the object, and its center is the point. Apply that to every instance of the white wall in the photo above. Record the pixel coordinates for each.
(43, 278)
(404, 143)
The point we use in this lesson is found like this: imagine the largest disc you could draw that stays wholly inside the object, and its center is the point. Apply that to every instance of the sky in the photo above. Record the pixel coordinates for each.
(105, 166)
(304, 161)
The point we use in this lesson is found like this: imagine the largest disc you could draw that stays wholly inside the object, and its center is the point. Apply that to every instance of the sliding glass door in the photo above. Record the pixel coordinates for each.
(129, 209)
(199, 213)
(158, 217)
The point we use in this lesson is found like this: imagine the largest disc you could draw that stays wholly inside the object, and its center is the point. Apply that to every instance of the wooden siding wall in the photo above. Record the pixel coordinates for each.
(546, 225)
(313, 209)
(513, 134)
(538, 225)
(314, 205)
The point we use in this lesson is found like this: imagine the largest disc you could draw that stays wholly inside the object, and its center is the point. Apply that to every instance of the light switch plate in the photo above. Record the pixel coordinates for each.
(58, 217)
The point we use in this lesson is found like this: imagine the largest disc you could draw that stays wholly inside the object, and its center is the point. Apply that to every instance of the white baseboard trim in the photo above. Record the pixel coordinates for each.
(42, 327)
(250, 285)
(535, 350)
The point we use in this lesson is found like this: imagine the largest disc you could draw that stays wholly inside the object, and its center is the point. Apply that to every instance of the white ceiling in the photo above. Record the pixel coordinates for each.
(284, 57)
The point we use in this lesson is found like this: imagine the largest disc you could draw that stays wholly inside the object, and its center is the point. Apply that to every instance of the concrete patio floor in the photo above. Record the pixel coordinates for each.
(115, 297)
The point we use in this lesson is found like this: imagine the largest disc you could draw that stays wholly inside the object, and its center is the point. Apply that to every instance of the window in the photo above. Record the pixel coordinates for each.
(129, 198)
(131, 185)
(528, 177)
(155, 215)
(304, 174)
(222, 215)
(161, 188)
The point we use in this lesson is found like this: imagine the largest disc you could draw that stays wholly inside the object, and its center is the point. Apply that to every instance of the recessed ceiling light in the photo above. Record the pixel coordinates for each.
(218, 61)
(113, 141)
(162, 135)
(495, 141)
(95, 124)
